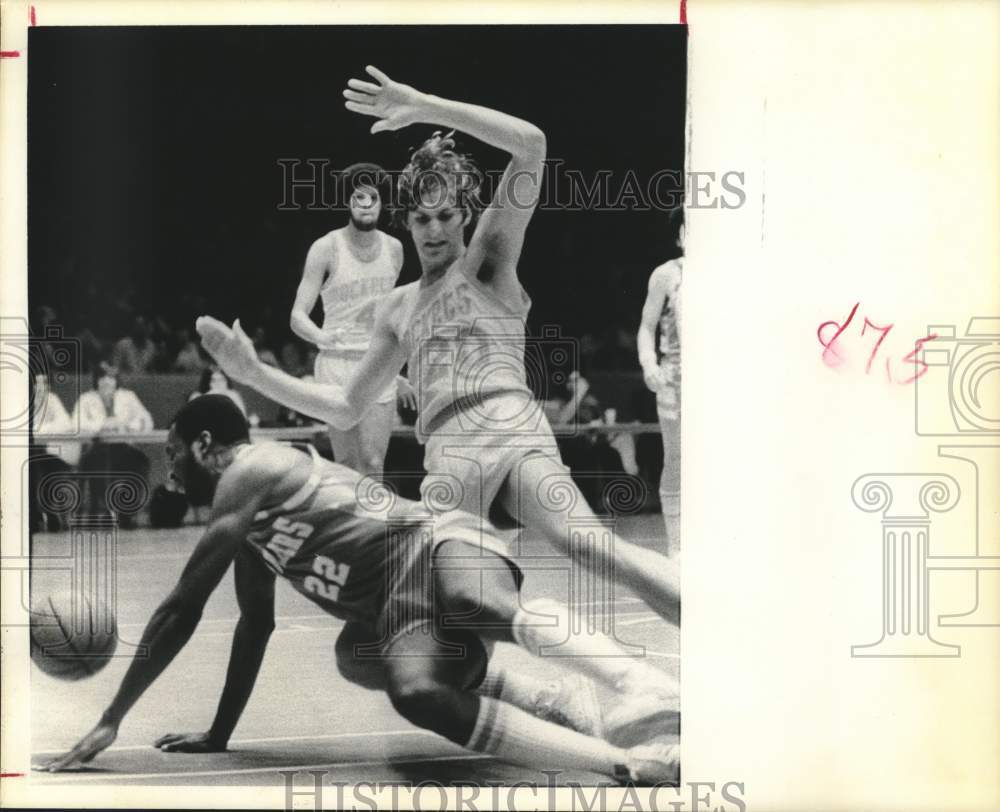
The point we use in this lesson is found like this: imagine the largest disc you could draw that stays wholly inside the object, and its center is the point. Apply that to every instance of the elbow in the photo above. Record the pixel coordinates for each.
(342, 419)
(534, 145)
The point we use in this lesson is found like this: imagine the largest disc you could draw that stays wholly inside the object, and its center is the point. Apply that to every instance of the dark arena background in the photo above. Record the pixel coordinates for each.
(154, 182)
(159, 169)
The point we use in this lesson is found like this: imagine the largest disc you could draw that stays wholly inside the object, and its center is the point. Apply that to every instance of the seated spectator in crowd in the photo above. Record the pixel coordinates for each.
(292, 360)
(215, 381)
(106, 414)
(595, 458)
(264, 351)
(48, 416)
(189, 355)
(136, 352)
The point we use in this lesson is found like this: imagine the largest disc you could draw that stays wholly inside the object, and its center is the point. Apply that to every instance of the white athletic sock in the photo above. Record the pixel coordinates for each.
(519, 738)
(511, 686)
(671, 506)
(673, 525)
(594, 654)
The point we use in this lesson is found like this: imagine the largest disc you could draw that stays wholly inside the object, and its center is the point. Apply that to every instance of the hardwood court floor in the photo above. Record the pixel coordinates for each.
(303, 714)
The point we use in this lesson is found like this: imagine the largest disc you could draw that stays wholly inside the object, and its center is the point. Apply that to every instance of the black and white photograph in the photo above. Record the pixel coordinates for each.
(343, 353)
(356, 403)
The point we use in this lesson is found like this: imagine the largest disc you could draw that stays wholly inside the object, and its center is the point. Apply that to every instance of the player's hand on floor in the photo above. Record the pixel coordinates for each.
(231, 348)
(89, 746)
(189, 743)
(396, 104)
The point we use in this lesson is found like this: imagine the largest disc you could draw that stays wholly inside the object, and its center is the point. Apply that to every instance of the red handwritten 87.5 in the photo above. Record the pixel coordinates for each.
(832, 334)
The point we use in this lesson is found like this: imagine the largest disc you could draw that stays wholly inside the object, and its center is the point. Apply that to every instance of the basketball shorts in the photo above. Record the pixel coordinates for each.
(668, 398)
(338, 368)
(411, 562)
(470, 453)
(668, 407)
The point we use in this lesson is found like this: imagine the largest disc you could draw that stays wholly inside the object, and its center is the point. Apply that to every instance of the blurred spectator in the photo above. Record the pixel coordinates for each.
(48, 416)
(593, 457)
(136, 352)
(215, 381)
(105, 413)
(44, 320)
(264, 351)
(92, 348)
(627, 351)
(292, 360)
(189, 356)
(590, 350)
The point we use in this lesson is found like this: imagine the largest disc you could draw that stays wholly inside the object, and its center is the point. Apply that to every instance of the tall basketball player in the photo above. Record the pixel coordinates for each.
(663, 377)
(352, 269)
(461, 329)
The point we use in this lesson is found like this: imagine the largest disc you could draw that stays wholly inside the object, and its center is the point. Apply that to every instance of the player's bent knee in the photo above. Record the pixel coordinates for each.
(490, 595)
(422, 700)
(368, 672)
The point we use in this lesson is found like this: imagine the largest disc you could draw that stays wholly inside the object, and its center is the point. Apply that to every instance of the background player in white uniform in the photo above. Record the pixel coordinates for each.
(663, 377)
(461, 327)
(352, 269)
(277, 511)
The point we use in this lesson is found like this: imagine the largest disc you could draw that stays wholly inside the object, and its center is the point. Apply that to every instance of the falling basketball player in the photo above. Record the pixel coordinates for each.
(461, 330)
(437, 588)
(663, 377)
(351, 269)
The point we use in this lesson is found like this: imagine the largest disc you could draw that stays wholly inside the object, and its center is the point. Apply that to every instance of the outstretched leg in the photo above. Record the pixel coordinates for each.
(668, 410)
(424, 686)
(569, 701)
(476, 591)
(541, 495)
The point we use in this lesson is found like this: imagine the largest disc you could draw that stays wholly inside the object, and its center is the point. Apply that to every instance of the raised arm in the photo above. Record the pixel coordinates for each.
(496, 244)
(176, 618)
(341, 407)
(305, 297)
(255, 595)
(656, 295)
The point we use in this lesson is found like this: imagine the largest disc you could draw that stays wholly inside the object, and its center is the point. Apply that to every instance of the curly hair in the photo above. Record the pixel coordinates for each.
(363, 174)
(435, 166)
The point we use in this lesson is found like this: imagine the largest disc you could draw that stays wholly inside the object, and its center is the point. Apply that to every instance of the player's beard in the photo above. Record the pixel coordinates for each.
(199, 484)
(370, 225)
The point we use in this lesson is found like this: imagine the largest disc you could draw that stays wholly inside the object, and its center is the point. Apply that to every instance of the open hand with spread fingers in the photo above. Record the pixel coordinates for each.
(100, 738)
(395, 104)
(231, 348)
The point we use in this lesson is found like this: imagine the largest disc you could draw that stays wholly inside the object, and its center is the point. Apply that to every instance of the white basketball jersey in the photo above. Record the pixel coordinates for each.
(351, 294)
(464, 340)
(670, 317)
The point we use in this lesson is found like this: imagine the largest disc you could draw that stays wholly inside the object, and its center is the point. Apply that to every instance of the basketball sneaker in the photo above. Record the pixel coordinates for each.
(649, 764)
(641, 715)
(571, 702)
